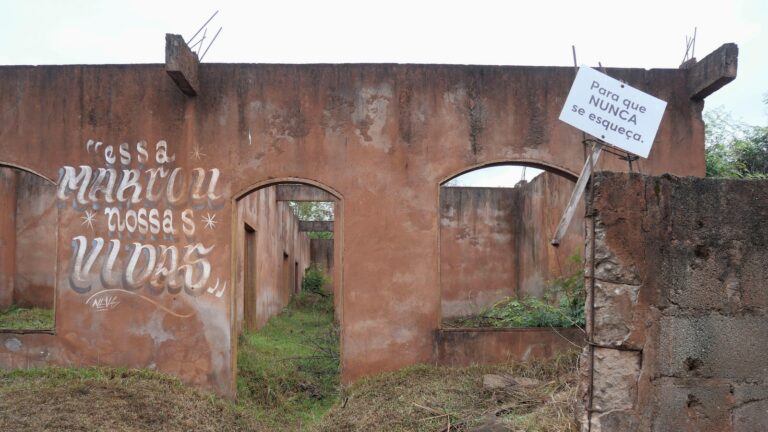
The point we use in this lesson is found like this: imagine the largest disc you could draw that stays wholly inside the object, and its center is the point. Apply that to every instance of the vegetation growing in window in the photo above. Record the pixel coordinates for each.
(19, 318)
(561, 306)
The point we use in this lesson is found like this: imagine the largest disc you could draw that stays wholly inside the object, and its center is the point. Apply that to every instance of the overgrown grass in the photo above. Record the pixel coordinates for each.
(288, 377)
(561, 306)
(288, 372)
(429, 398)
(288, 380)
(18, 318)
(109, 399)
(315, 280)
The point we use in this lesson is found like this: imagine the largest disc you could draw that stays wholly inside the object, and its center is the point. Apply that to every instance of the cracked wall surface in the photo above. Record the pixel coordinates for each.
(383, 137)
(680, 328)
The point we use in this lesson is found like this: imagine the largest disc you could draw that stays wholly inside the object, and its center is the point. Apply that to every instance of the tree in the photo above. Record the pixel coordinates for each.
(313, 211)
(734, 149)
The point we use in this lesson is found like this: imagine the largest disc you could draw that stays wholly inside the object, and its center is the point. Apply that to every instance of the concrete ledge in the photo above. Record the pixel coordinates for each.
(300, 192)
(181, 64)
(316, 226)
(713, 71)
(466, 346)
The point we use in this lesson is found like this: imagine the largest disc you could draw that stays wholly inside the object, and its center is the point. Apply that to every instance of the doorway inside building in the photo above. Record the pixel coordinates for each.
(289, 335)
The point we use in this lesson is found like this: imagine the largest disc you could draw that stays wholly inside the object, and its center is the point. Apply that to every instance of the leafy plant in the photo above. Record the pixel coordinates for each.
(314, 280)
(561, 306)
(314, 211)
(573, 296)
(735, 149)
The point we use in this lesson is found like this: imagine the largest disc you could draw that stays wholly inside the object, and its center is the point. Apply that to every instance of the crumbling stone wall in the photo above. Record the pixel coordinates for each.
(680, 328)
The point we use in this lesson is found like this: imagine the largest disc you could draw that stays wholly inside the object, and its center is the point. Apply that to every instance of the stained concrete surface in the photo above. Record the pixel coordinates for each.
(382, 137)
(495, 242)
(465, 347)
(680, 285)
(28, 226)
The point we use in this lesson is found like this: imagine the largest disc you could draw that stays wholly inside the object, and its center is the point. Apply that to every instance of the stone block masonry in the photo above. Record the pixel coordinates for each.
(680, 318)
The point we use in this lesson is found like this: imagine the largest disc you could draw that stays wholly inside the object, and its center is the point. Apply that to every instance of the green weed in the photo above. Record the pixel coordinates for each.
(18, 318)
(314, 280)
(561, 306)
(288, 372)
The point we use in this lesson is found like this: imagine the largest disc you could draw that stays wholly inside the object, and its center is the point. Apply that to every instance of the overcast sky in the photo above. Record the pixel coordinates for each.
(648, 34)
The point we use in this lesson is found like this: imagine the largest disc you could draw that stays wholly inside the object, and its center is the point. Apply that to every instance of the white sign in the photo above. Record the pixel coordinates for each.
(613, 111)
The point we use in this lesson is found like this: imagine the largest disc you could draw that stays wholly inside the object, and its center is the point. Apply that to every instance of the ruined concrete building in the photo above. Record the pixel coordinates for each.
(151, 212)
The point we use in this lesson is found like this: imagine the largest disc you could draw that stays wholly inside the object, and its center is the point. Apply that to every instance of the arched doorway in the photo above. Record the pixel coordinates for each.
(270, 219)
(287, 252)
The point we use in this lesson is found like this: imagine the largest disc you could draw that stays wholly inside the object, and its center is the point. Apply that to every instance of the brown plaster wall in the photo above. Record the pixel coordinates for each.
(680, 305)
(8, 180)
(465, 347)
(28, 236)
(495, 242)
(36, 226)
(277, 235)
(382, 137)
(321, 253)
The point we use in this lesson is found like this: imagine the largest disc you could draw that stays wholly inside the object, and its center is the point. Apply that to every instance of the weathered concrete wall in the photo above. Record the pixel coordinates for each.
(680, 305)
(544, 202)
(36, 226)
(381, 137)
(464, 347)
(8, 180)
(28, 224)
(478, 247)
(282, 253)
(321, 253)
(495, 242)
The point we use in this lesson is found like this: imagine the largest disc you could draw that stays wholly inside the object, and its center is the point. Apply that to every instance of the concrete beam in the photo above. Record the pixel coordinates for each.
(713, 71)
(181, 64)
(300, 192)
(316, 226)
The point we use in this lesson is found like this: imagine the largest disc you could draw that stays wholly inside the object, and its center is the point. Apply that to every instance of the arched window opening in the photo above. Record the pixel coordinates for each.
(497, 265)
(28, 232)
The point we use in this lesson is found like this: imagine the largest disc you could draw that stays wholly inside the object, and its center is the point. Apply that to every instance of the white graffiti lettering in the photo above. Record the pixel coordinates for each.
(143, 268)
(141, 203)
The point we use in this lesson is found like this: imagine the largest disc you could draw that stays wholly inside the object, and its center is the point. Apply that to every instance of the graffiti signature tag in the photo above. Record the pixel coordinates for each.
(104, 303)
